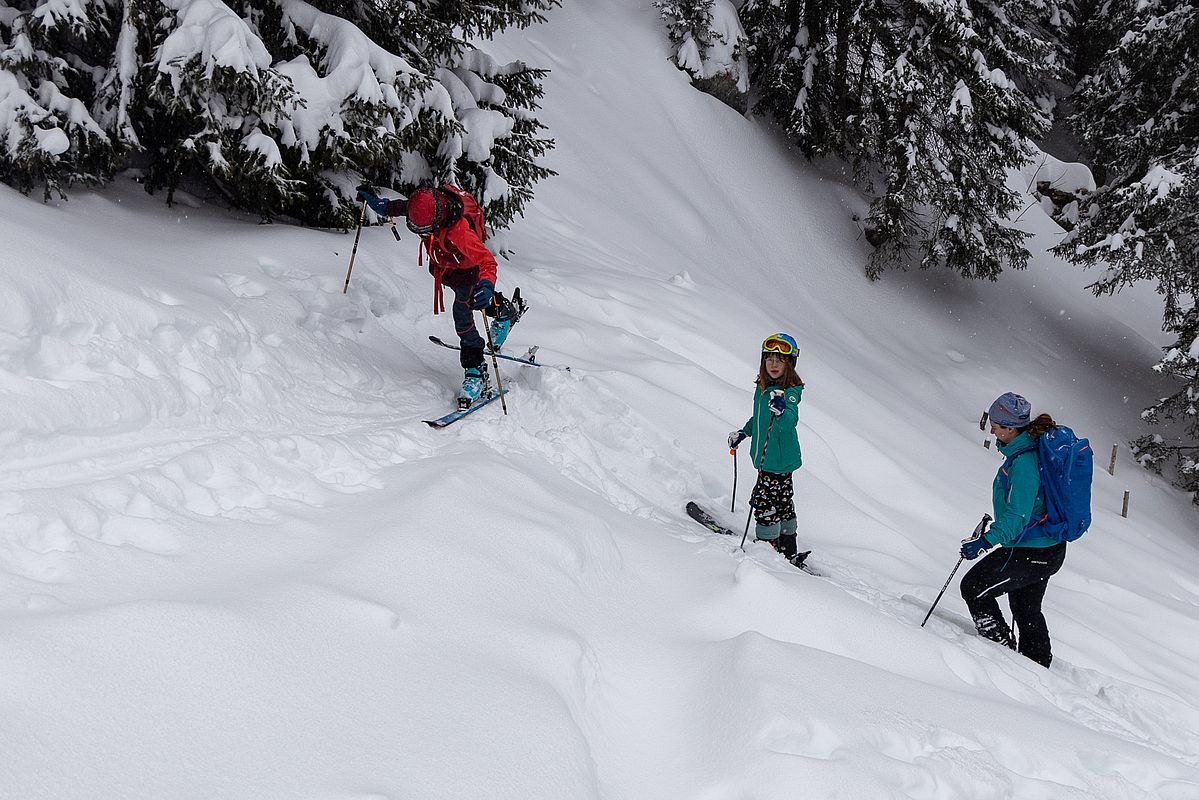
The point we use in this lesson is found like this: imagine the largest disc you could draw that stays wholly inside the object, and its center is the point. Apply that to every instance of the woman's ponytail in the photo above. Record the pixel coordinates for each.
(1040, 426)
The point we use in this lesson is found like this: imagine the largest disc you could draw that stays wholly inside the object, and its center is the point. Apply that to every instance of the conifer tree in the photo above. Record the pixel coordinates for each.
(932, 102)
(689, 27)
(281, 105)
(1138, 115)
(51, 138)
(708, 43)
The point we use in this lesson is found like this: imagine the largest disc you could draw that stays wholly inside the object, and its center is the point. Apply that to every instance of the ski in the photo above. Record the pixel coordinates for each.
(708, 521)
(454, 416)
(529, 359)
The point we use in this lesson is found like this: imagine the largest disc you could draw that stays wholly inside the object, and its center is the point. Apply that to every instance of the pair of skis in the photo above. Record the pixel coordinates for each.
(529, 359)
(697, 513)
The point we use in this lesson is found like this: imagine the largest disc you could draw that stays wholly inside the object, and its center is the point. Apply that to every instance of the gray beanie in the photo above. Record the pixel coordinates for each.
(1010, 410)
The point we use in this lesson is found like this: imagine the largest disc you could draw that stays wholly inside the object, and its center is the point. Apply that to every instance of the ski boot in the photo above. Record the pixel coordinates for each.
(505, 312)
(996, 630)
(476, 384)
(788, 546)
(789, 543)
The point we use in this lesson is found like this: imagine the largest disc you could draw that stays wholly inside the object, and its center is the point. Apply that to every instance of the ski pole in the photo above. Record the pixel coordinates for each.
(354, 252)
(495, 362)
(765, 445)
(978, 531)
(733, 453)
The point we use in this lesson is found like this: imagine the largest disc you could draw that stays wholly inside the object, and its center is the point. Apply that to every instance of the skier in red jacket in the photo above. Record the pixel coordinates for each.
(450, 224)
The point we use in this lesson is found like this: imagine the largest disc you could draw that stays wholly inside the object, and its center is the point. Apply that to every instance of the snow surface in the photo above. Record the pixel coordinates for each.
(234, 563)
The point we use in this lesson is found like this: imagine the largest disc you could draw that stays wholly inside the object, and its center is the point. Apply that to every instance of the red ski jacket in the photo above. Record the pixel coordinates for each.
(454, 249)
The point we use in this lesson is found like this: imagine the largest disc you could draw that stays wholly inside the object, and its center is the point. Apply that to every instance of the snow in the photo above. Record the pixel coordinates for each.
(210, 30)
(235, 564)
(1160, 181)
(481, 126)
(53, 141)
(961, 104)
(1065, 176)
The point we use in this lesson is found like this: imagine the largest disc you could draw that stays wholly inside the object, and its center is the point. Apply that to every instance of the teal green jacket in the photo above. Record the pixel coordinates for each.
(782, 451)
(1023, 501)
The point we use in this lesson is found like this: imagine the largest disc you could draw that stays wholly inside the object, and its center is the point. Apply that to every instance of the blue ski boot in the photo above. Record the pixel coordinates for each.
(506, 313)
(476, 384)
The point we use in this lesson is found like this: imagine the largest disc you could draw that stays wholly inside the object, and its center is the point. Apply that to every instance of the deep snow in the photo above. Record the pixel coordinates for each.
(235, 564)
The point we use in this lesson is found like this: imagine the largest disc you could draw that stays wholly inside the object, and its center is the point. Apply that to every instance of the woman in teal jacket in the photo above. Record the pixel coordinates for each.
(1026, 558)
(775, 451)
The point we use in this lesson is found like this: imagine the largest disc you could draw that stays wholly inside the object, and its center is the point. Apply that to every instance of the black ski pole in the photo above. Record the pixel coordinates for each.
(978, 531)
(765, 445)
(354, 252)
(733, 453)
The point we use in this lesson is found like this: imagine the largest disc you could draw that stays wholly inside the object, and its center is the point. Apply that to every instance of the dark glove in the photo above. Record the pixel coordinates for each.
(379, 206)
(482, 295)
(973, 548)
(736, 438)
(778, 402)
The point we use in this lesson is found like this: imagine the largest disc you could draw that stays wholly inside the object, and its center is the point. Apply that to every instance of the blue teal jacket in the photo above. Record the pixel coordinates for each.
(782, 452)
(1022, 502)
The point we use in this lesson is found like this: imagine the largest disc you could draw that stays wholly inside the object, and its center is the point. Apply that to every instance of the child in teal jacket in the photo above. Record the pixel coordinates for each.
(775, 444)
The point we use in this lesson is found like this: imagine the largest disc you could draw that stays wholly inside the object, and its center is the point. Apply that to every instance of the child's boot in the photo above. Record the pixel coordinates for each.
(788, 543)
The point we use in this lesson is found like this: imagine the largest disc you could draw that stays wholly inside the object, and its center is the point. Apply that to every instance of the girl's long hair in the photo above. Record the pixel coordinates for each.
(789, 378)
(1040, 426)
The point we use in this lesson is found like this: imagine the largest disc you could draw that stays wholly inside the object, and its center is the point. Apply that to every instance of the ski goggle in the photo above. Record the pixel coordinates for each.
(780, 343)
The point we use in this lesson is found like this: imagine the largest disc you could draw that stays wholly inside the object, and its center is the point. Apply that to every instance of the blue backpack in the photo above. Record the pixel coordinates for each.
(1066, 464)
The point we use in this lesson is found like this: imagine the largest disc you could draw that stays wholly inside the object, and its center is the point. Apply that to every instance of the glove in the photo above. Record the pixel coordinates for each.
(736, 438)
(482, 295)
(379, 206)
(973, 548)
(778, 402)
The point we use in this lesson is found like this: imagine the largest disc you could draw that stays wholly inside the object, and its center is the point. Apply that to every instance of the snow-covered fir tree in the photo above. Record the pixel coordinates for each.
(708, 44)
(689, 26)
(932, 102)
(283, 105)
(1138, 115)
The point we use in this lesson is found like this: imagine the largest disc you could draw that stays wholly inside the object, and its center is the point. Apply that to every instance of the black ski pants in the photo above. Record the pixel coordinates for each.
(1022, 573)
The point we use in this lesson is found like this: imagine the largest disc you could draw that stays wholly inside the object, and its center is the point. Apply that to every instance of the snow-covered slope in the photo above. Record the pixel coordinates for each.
(235, 564)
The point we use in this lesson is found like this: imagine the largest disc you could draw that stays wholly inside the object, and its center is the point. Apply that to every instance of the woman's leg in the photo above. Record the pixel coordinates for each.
(986, 581)
(1026, 605)
(1022, 573)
